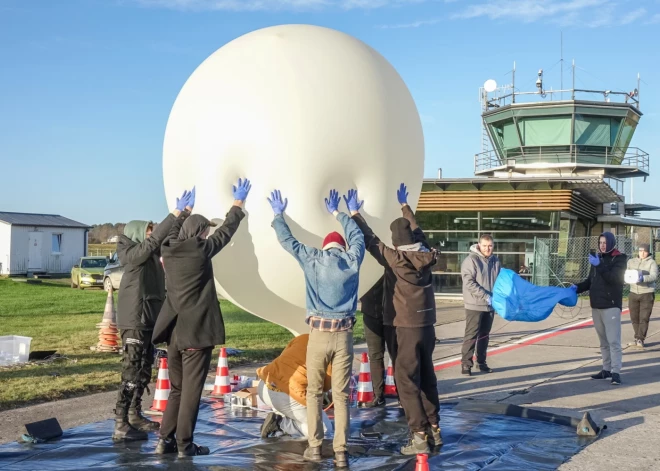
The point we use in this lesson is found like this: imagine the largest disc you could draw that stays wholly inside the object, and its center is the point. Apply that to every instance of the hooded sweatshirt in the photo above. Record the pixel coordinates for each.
(142, 287)
(191, 316)
(409, 300)
(605, 281)
(479, 274)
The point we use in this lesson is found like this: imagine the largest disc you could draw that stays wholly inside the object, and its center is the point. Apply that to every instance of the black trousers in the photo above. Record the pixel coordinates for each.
(136, 371)
(188, 370)
(374, 334)
(389, 332)
(477, 335)
(641, 306)
(415, 376)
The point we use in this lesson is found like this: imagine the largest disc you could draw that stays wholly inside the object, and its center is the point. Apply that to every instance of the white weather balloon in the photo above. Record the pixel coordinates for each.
(302, 109)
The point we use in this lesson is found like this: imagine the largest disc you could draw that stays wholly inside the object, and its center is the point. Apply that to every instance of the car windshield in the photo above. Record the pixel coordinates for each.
(94, 263)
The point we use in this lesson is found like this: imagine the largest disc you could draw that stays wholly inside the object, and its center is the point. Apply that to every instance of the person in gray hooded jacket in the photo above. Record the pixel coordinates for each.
(479, 271)
(642, 293)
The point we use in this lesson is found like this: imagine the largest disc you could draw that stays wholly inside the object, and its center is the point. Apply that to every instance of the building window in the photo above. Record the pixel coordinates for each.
(56, 243)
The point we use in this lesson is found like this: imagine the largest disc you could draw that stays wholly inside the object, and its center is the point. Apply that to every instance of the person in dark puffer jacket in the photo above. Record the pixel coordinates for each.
(605, 285)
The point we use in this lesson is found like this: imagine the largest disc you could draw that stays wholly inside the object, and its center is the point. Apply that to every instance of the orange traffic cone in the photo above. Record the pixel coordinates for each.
(222, 385)
(422, 463)
(162, 393)
(365, 387)
(108, 340)
(390, 387)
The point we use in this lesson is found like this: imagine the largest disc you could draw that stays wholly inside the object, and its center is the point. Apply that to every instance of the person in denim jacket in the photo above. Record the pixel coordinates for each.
(331, 281)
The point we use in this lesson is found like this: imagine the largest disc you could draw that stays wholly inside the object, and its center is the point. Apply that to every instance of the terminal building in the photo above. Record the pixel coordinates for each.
(549, 180)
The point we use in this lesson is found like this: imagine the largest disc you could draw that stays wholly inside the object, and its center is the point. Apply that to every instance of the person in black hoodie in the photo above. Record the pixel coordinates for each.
(410, 265)
(605, 285)
(141, 295)
(191, 322)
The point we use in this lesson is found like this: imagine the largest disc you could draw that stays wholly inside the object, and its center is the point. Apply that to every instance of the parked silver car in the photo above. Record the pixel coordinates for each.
(112, 273)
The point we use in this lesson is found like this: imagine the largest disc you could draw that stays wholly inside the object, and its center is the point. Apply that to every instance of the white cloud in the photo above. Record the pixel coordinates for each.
(414, 24)
(633, 16)
(526, 10)
(263, 5)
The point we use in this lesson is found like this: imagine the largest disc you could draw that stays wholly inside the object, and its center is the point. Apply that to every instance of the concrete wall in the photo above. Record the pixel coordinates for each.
(72, 248)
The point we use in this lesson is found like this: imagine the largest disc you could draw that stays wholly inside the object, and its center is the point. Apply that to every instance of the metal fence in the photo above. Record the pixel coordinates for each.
(564, 261)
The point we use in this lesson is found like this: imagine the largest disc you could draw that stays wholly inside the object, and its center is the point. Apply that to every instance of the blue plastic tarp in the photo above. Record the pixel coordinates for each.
(515, 299)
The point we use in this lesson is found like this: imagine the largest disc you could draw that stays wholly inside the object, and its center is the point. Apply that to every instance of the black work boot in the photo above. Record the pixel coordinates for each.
(140, 422)
(124, 431)
(434, 436)
(135, 417)
(418, 443)
(312, 453)
(166, 446)
(484, 368)
(271, 425)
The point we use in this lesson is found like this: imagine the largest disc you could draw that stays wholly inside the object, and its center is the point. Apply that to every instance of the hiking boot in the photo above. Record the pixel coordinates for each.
(602, 375)
(341, 459)
(434, 436)
(312, 453)
(616, 379)
(639, 343)
(271, 425)
(124, 432)
(140, 422)
(417, 443)
(483, 367)
(194, 450)
(166, 446)
(377, 402)
(466, 370)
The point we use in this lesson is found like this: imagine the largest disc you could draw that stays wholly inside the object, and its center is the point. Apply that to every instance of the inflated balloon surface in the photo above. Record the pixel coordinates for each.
(303, 109)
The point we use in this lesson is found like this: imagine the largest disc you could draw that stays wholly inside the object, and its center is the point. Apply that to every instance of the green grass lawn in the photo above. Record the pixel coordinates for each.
(64, 319)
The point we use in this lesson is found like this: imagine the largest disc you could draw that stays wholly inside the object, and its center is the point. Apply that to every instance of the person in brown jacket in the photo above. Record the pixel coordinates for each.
(411, 295)
(283, 386)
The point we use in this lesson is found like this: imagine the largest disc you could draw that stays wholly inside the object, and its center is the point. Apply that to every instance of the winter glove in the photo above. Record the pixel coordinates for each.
(182, 202)
(352, 201)
(402, 194)
(242, 189)
(594, 260)
(276, 202)
(332, 202)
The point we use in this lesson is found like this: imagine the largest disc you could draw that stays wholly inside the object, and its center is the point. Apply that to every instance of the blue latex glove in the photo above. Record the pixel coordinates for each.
(640, 279)
(594, 260)
(276, 202)
(489, 300)
(352, 201)
(182, 202)
(242, 189)
(573, 287)
(402, 194)
(191, 199)
(332, 202)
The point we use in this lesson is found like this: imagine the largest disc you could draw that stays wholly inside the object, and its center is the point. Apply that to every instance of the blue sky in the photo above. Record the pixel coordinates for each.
(86, 86)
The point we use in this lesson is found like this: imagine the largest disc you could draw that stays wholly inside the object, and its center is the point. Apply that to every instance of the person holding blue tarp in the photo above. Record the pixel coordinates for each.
(605, 285)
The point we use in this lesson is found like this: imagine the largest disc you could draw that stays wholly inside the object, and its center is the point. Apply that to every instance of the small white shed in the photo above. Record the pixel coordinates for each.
(40, 243)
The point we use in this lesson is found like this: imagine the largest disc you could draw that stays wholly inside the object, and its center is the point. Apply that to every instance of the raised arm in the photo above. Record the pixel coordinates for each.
(300, 251)
(418, 234)
(140, 253)
(223, 234)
